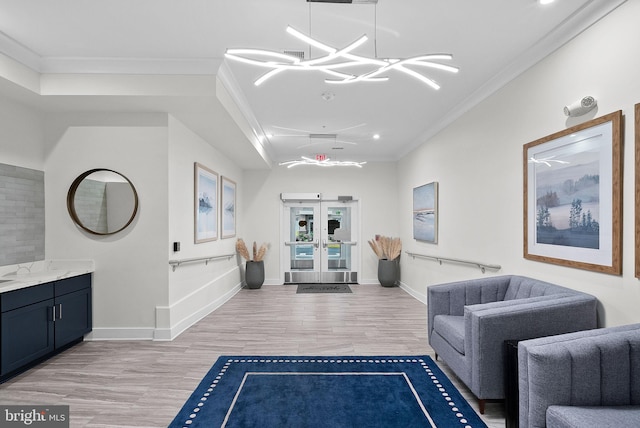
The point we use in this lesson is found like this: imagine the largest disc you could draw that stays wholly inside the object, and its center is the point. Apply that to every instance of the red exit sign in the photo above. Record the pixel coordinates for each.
(321, 158)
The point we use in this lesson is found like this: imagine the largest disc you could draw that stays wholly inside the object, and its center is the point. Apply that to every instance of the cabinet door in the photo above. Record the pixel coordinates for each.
(73, 316)
(27, 334)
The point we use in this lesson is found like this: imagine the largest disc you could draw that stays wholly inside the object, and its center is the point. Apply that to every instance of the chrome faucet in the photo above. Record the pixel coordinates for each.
(28, 268)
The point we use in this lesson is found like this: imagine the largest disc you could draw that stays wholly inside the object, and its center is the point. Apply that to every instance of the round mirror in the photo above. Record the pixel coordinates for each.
(102, 201)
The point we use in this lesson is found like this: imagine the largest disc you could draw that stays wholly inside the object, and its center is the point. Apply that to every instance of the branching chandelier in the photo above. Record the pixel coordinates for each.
(336, 60)
(320, 162)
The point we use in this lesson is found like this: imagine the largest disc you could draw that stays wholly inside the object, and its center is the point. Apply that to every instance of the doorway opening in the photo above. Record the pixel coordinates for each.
(320, 241)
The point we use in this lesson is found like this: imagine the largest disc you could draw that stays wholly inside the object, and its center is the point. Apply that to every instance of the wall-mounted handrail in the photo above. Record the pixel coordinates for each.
(175, 263)
(480, 265)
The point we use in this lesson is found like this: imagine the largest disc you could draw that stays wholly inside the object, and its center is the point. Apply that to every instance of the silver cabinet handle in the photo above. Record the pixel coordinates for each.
(60, 311)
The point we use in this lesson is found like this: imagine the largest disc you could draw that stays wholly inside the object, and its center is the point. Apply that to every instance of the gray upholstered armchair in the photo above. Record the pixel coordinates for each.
(584, 379)
(468, 322)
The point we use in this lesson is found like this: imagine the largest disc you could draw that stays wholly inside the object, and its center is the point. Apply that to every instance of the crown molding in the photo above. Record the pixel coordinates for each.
(74, 65)
(563, 33)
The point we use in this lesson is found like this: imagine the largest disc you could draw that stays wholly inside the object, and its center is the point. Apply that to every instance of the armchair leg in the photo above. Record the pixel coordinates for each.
(481, 404)
(436, 356)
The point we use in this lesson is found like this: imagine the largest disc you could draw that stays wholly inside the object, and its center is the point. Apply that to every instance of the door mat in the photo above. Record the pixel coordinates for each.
(323, 288)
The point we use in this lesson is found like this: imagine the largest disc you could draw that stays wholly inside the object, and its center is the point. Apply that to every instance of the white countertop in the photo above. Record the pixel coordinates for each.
(15, 277)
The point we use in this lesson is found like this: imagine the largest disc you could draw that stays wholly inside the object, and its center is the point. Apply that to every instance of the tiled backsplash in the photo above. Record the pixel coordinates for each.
(21, 215)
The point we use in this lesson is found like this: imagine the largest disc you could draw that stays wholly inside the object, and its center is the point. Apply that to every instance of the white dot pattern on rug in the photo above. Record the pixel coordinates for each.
(208, 392)
(445, 394)
(463, 421)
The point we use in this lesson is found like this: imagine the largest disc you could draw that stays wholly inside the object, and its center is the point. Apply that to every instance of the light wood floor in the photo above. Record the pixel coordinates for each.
(118, 384)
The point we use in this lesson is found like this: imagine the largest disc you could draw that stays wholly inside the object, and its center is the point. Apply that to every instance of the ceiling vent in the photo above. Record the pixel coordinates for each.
(323, 136)
(344, 1)
(297, 54)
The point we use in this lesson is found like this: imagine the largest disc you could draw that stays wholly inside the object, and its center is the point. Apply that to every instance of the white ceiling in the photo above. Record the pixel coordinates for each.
(163, 56)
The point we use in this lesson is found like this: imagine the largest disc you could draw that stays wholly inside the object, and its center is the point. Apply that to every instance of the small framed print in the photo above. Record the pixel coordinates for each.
(206, 204)
(228, 207)
(425, 213)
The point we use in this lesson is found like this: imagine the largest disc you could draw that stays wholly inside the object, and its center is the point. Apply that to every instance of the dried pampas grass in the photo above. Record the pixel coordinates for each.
(386, 247)
(258, 256)
(258, 253)
(241, 248)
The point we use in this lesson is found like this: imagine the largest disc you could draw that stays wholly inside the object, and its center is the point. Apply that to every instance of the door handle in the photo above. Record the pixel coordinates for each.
(60, 311)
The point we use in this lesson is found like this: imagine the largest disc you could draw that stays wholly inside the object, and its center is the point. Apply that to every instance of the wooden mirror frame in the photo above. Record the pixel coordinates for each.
(71, 201)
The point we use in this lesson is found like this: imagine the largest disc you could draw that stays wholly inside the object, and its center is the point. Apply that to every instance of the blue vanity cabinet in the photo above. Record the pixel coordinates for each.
(26, 326)
(73, 309)
(38, 321)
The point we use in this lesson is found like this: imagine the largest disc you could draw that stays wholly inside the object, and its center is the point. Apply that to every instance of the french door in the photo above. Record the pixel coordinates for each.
(320, 242)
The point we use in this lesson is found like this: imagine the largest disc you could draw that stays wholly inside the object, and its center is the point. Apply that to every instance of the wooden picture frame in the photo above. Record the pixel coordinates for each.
(425, 213)
(205, 204)
(228, 207)
(573, 196)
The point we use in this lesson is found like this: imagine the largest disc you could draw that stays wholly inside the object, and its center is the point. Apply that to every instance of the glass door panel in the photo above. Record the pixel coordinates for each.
(303, 263)
(320, 242)
(337, 243)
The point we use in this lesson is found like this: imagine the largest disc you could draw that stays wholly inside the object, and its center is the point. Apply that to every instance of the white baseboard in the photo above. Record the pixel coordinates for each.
(174, 330)
(413, 293)
(120, 333)
(172, 320)
(183, 325)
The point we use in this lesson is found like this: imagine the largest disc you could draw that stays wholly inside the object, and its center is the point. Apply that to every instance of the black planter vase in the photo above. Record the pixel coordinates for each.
(254, 274)
(388, 272)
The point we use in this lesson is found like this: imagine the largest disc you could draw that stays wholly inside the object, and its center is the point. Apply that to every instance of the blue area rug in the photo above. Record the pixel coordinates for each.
(327, 392)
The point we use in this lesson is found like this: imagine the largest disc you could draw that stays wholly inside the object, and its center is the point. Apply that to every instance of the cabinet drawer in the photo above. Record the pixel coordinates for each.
(75, 283)
(25, 296)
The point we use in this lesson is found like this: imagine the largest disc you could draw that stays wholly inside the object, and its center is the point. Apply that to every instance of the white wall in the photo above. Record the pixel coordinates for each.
(478, 163)
(374, 186)
(195, 289)
(131, 278)
(22, 136)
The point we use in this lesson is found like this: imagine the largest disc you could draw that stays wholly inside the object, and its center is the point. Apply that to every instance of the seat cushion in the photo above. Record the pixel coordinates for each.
(596, 416)
(451, 328)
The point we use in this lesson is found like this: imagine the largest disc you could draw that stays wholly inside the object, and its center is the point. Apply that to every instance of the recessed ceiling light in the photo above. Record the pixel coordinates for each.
(376, 136)
(545, 1)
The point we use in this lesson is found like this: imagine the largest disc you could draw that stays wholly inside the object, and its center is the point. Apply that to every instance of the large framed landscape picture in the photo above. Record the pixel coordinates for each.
(573, 196)
(425, 212)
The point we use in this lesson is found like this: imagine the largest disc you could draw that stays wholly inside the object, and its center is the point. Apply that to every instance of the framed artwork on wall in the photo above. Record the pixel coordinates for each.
(573, 196)
(206, 204)
(637, 190)
(425, 212)
(228, 208)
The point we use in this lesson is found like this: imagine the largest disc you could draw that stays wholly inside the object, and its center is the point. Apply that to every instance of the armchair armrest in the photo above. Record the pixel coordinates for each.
(451, 298)
(586, 368)
(487, 326)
